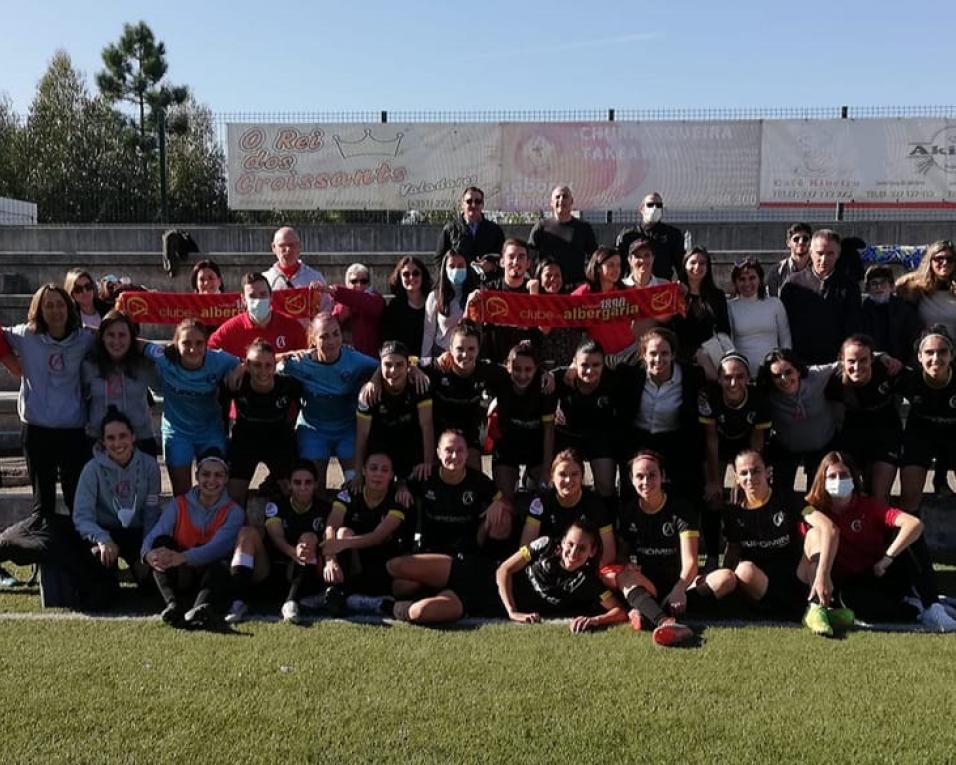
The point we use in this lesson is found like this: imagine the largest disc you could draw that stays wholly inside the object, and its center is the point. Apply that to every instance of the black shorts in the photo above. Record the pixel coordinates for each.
(924, 441)
(515, 452)
(786, 595)
(472, 579)
(869, 445)
(593, 446)
(245, 454)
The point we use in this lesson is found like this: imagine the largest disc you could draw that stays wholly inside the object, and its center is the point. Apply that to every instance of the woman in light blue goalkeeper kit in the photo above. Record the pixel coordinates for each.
(331, 375)
(192, 418)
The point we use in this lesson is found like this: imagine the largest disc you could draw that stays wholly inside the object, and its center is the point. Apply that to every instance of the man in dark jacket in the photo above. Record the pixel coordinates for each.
(666, 241)
(823, 306)
(471, 235)
(567, 239)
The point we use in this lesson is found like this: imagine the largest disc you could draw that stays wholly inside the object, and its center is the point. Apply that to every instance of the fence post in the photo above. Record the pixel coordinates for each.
(163, 197)
(609, 214)
(840, 210)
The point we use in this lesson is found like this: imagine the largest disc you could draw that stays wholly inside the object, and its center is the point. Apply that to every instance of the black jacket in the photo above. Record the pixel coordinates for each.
(456, 235)
(667, 243)
(822, 314)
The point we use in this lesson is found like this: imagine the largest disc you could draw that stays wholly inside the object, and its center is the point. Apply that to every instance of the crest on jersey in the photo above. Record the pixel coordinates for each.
(778, 519)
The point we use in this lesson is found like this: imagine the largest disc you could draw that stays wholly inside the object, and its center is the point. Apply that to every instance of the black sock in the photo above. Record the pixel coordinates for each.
(241, 581)
(646, 606)
(710, 530)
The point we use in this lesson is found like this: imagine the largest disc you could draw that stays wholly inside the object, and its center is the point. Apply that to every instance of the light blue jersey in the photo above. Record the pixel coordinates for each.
(190, 407)
(330, 390)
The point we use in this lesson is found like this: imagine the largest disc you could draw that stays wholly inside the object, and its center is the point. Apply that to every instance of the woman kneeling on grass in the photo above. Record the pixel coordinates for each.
(767, 561)
(876, 570)
(189, 546)
(547, 578)
(117, 500)
(660, 532)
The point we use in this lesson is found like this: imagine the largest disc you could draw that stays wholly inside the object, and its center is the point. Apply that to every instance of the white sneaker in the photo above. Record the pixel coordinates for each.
(290, 612)
(364, 604)
(936, 619)
(237, 612)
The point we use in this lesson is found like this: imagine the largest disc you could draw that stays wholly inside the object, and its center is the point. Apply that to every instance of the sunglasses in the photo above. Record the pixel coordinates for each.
(411, 274)
(801, 239)
(743, 262)
(790, 372)
(653, 204)
(474, 202)
(942, 259)
(358, 281)
(87, 287)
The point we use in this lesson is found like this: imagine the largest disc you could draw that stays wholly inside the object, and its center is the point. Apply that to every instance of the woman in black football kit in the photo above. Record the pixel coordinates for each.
(399, 423)
(735, 415)
(264, 430)
(549, 577)
(524, 417)
(294, 527)
(587, 416)
(659, 532)
(766, 557)
(931, 424)
(565, 500)
(872, 432)
(367, 529)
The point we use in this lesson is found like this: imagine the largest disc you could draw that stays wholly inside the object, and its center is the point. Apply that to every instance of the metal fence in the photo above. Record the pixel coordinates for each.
(131, 210)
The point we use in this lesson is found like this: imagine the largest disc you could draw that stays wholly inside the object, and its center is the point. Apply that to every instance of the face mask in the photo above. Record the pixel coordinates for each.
(456, 275)
(652, 214)
(258, 308)
(884, 298)
(840, 488)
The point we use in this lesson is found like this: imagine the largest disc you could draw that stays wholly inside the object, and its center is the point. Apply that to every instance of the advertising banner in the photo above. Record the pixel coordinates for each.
(876, 161)
(359, 166)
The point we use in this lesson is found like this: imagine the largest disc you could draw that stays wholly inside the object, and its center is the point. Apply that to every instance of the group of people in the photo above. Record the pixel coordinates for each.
(792, 368)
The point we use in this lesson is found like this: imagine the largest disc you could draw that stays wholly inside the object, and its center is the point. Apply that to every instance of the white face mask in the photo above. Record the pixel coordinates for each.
(841, 488)
(652, 214)
(258, 308)
(882, 298)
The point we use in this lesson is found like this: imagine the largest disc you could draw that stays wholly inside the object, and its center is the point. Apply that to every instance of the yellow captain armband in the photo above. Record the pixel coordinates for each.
(525, 553)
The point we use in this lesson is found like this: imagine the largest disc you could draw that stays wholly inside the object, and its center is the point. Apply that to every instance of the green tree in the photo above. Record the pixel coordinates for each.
(135, 66)
(197, 162)
(11, 182)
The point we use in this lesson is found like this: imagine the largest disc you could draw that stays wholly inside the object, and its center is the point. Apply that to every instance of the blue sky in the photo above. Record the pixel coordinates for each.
(326, 56)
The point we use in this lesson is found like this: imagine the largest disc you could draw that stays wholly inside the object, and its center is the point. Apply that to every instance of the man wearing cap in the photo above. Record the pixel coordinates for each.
(666, 241)
(235, 335)
(892, 322)
(567, 239)
(289, 271)
(798, 242)
(470, 234)
(640, 263)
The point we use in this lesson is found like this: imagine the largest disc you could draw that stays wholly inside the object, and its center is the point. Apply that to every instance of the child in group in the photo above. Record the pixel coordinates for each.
(188, 547)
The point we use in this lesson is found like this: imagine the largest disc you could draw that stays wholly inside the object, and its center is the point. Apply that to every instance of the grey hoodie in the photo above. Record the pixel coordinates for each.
(107, 491)
(127, 394)
(222, 542)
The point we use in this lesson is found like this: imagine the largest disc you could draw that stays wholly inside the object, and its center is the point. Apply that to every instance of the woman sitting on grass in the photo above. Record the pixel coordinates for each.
(551, 577)
(661, 536)
(882, 557)
(555, 508)
(117, 500)
(189, 546)
(766, 559)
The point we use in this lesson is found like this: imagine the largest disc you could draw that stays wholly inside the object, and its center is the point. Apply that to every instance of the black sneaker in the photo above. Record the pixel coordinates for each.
(335, 601)
(172, 615)
(200, 617)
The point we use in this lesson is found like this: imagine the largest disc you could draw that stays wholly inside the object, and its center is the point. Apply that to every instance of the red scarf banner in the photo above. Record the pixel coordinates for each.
(173, 307)
(518, 309)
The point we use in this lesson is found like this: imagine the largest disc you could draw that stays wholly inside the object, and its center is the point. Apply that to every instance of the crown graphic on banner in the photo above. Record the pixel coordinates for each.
(368, 145)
